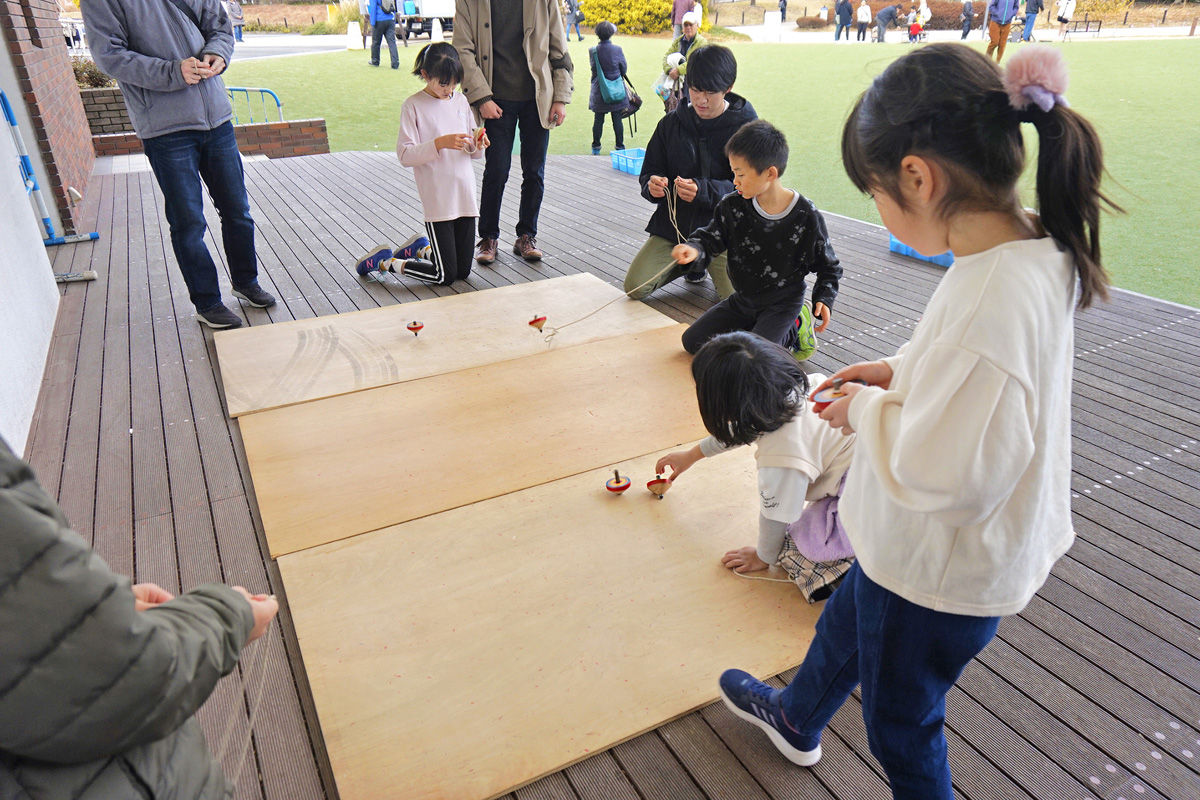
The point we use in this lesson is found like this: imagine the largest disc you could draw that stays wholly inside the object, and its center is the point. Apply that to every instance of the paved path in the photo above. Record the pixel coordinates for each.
(273, 45)
(790, 34)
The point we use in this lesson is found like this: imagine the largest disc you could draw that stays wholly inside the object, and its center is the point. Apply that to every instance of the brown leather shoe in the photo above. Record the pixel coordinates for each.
(526, 247)
(485, 251)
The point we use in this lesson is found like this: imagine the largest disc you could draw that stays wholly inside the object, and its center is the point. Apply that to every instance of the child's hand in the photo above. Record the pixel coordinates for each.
(481, 140)
(679, 462)
(684, 253)
(657, 186)
(744, 559)
(821, 317)
(686, 189)
(837, 413)
(149, 595)
(872, 373)
(264, 608)
(452, 141)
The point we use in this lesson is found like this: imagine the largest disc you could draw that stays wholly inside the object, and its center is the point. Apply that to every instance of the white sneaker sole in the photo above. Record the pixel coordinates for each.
(236, 293)
(801, 758)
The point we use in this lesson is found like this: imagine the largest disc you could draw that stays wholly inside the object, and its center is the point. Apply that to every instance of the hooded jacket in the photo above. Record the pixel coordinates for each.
(545, 47)
(142, 42)
(97, 699)
(683, 145)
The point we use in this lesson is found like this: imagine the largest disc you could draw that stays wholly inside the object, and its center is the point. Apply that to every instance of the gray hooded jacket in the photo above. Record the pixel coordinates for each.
(142, 42)
(97, 699)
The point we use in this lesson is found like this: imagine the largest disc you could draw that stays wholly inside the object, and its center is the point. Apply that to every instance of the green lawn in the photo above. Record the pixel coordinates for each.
(1137, 94)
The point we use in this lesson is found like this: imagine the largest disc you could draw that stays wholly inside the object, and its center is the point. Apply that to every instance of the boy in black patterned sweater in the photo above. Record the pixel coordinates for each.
(775, 237)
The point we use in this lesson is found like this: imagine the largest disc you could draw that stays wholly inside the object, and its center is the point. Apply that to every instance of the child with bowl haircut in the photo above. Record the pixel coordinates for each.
(775, 238)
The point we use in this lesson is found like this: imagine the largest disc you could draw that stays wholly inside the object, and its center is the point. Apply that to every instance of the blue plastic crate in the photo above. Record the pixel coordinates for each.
(629, 160)
(944, 260)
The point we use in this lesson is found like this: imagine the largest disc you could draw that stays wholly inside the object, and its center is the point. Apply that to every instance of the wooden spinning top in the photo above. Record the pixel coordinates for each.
(616, 484)
(659, 486)
(537, 322)
(830, 394)
(415, 327)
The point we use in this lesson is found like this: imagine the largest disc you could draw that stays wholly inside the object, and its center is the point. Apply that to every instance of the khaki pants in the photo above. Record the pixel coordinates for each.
(654, 257)
(998, 37)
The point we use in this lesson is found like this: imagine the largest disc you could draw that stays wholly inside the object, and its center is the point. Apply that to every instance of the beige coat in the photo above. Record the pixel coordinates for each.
(545, 50)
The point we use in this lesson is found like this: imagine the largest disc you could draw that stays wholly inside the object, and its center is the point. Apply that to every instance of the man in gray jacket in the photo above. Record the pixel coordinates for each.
(99, 680)
(167, 55)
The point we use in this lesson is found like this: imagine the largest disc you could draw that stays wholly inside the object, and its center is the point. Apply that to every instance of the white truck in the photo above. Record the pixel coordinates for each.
(417, 16)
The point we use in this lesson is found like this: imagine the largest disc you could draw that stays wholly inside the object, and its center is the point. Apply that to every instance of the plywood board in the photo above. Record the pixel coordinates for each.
(467, 653)
(269, 366)
(336, 467)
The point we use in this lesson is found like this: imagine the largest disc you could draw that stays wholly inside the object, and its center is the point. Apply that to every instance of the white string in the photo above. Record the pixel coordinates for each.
(757, 578)
(257, 661)
(672, 205)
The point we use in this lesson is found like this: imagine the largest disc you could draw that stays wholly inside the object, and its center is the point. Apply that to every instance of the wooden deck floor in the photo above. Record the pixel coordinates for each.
(1092, 692)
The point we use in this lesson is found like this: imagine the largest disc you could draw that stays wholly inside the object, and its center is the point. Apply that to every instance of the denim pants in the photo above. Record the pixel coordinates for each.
(1030, 21)
(534, 139)
(906, 657)
(180, 160)
(384, 29)
(839, 27)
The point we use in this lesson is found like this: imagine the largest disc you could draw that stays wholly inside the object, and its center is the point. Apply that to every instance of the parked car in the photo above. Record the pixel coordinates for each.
(417, 16)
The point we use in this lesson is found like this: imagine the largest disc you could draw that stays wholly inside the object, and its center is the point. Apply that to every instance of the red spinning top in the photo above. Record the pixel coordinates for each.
(830, 394)
(659, 486)
(415, 327)
(616, 484)
(537, 322)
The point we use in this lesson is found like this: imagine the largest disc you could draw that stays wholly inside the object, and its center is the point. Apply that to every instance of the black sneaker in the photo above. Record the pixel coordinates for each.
(255, 296)
(695, 277)
(219, 317)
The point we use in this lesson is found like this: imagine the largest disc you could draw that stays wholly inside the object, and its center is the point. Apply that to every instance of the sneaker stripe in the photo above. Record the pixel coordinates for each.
(435, 252)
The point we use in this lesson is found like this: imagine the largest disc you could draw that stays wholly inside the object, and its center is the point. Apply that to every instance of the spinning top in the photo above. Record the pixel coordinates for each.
(537, 322)
(415, 327)
(830, 394)
(616, 484)
(659, 486)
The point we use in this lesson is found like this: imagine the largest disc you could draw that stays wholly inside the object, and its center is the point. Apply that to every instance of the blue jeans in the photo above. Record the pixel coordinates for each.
(1030, 21)
(534, 139)
(906, 657)
(180, 160)
(837, 31)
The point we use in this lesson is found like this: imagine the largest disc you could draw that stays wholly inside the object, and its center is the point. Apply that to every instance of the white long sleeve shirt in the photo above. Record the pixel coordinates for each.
(959, 496)
(445, 179)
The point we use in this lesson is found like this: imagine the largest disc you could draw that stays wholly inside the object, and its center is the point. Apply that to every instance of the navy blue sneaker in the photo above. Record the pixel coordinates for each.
(412, 248)
(375, 260)
(758, 703)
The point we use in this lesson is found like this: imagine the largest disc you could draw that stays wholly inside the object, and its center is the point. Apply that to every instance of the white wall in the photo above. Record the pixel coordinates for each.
(28, 296)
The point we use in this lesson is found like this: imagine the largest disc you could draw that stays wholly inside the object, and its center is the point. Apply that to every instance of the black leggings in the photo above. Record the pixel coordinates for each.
(862, 31)
(618, 129)
(453, 246)
(774, 321)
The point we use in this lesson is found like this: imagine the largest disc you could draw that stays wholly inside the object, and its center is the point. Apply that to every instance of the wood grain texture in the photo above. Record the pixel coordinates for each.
(336, 467)
(277, 365)
(468, 653)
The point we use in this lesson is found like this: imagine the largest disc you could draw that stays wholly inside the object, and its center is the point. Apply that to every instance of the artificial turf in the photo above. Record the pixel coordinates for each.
(1138, 94)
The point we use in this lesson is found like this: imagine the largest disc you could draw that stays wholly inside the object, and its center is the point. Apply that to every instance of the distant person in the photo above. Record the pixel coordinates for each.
(1032, 9)
(864, 20)
(967, 17)
(685, 172)
(1000, 18)
(843, 14)
(1066, 9)
(100, 680)
(889, 16)
(573, 17)
(516, 73)
(685, 44)
(383, 26)
(608, 63)
(679, 8)
(169, 68)
(237, 18)
(782, 10)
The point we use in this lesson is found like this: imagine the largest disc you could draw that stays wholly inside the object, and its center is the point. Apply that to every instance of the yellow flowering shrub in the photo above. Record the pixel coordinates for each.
(635, 16)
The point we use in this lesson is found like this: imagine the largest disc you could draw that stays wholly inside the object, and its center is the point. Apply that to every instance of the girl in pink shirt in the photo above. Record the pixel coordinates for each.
(438, 138)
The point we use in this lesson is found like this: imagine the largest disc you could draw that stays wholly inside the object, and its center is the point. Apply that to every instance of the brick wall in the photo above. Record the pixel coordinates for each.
(296, 137)
(105, 110)
(47, 88)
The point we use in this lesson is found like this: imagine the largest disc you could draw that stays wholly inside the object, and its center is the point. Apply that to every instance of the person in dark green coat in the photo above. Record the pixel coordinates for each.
(100, 680)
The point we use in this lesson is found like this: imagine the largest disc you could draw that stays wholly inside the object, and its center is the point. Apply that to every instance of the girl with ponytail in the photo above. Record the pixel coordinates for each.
(957, 502)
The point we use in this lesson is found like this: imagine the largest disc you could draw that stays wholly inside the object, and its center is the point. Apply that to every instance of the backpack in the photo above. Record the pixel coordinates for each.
(387, 6)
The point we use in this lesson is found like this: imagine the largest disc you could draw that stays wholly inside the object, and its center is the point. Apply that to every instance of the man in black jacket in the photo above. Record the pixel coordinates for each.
(685, 172)
(888, 16)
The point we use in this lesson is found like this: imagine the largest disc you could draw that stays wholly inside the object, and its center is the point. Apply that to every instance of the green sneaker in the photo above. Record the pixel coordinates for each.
(806, 337)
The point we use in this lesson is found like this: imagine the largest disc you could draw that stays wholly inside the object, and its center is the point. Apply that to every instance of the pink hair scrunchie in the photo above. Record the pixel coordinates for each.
(1036, 75)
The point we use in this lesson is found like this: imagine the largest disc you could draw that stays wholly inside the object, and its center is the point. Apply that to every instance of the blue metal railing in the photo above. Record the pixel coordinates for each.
(235, 91)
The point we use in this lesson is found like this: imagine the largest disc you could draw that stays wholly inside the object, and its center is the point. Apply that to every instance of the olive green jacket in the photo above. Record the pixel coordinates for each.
(699, 42)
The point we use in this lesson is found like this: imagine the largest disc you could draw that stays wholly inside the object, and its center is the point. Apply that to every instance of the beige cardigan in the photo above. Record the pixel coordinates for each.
(545, 50)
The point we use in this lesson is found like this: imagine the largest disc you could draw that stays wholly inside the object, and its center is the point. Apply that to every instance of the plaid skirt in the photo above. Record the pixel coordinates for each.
(816, 579)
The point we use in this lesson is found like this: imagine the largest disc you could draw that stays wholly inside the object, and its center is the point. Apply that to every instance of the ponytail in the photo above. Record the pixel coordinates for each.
(1070, 167)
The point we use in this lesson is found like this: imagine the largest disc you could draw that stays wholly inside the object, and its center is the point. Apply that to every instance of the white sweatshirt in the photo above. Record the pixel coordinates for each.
(959, 496)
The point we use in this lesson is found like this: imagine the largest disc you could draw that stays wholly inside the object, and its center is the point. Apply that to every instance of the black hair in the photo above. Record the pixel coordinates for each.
(760, 144)
(606, 30)
(746, 387)
(439, 61)
(946, 103)
(712, 68)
